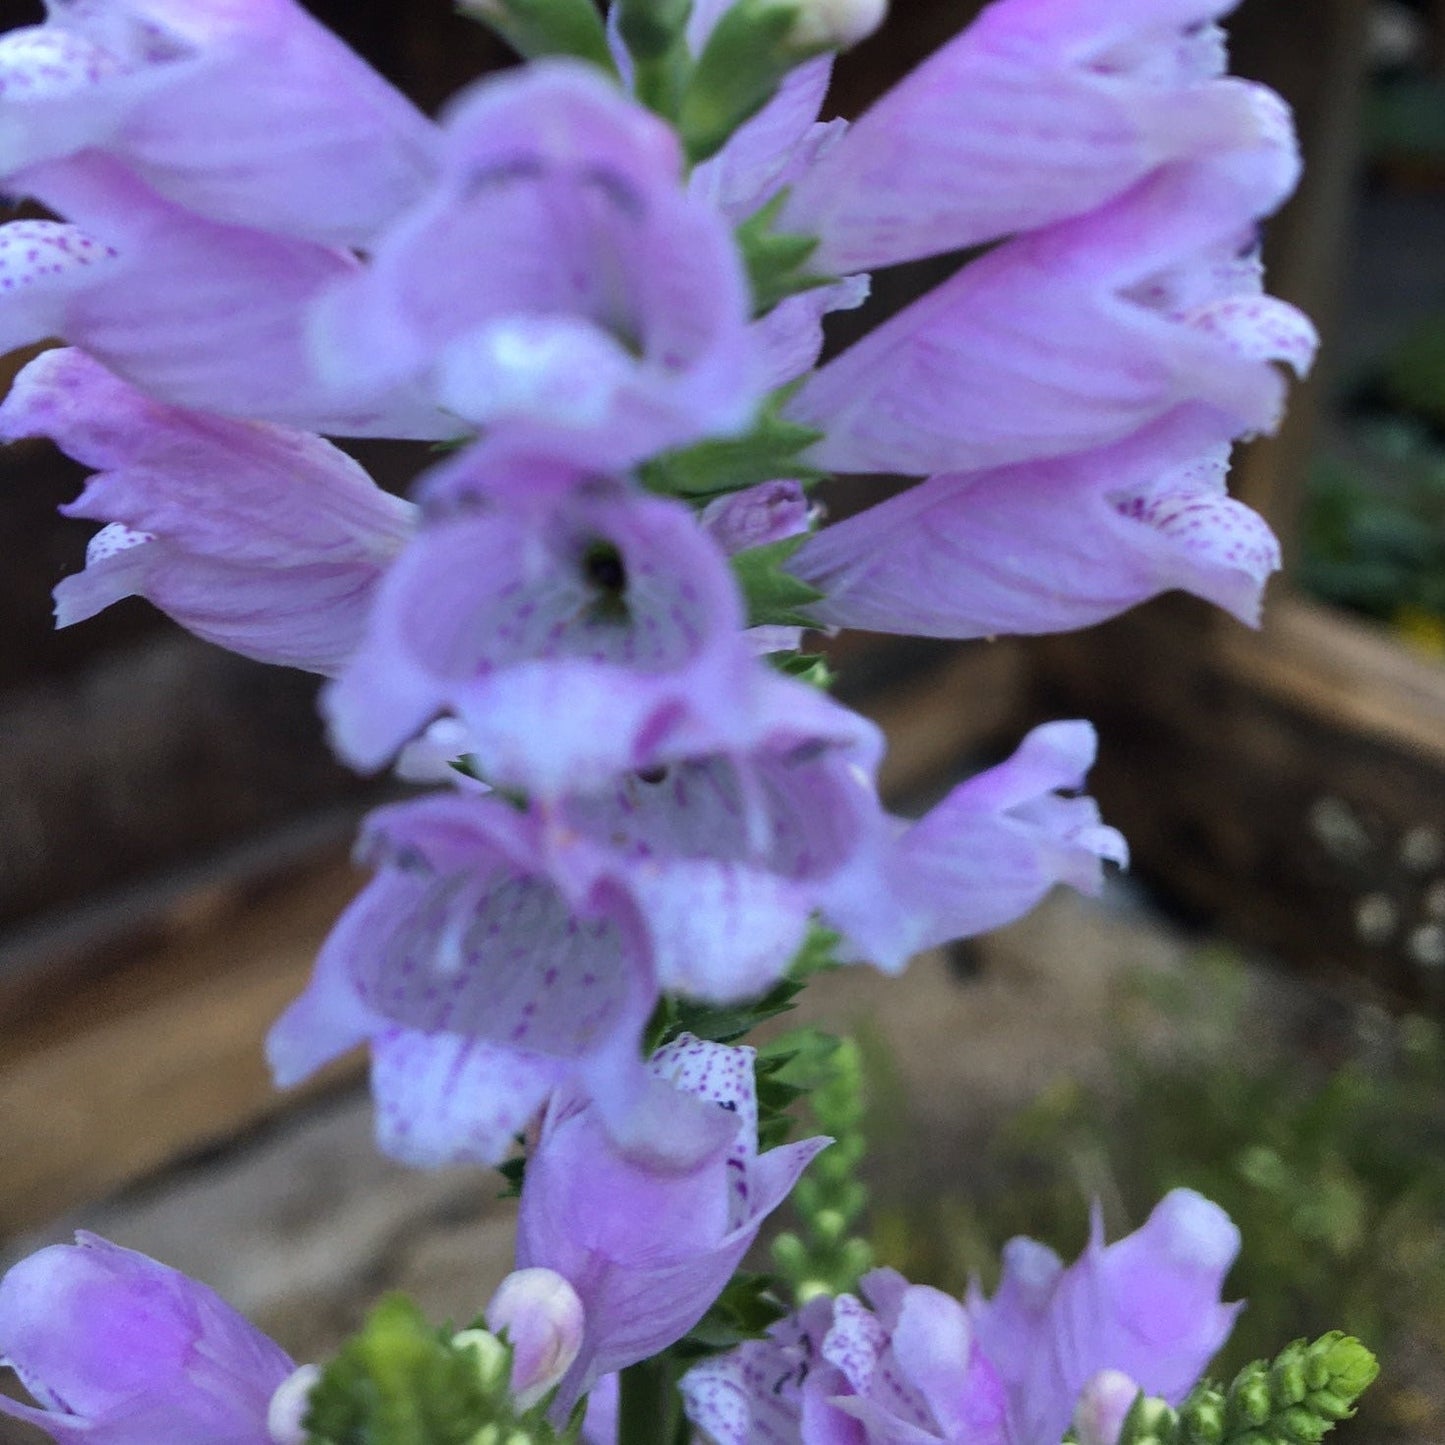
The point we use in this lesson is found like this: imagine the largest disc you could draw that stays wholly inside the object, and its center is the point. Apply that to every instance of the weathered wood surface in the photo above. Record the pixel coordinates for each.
(157, 755)
(108, 1076)
(1287, 786)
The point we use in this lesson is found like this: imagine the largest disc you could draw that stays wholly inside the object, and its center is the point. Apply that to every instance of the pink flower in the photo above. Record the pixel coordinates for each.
(245, 111)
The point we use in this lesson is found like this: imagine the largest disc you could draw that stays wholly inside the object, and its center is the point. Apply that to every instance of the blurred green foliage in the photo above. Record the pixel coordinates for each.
(1374, 530)
(1332, 1168)
(1373, 538)
(1405, 118)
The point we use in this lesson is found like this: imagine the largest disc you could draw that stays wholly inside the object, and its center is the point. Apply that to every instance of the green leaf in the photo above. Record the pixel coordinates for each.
(776, 261)
(741, 66)
(743, 1311)
(809, 667)
(773, 595)
(535, 28)
(714, 468)
(513, 1171)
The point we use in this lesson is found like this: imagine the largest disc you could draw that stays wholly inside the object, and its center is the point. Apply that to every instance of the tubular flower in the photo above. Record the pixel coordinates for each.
(117, 1349)
(267, 541)
(606, 613)
(479, 982)
(648, 1249)
(1039, 110)
(908, 1363)
(245, 111)
(1074, 336)
(197, 313)
(1047, 546)
(982, 857)
(610, 316)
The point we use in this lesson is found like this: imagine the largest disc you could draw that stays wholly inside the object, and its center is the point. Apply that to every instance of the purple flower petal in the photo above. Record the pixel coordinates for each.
(610, 617)
(729, 856)
(1147, 1306)
(1048, 546)
(1036, 112)
(983, 856)
(447, 1098)
(1072, 337)
(198, 314)
(770, 512)
(913, 1367)
(610, 318)
(250, 114)
(649, 1249)
(265, 540)
(464, 937)
(120, 1350)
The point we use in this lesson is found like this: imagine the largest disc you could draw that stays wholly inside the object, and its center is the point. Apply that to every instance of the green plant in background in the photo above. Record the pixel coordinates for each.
(1374, 521)
(1332, 1168)
(1374, 534)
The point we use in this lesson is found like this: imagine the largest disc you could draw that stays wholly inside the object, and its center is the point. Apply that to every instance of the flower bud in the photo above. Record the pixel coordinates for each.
(835, 24)
(541, 1317)
(286, 1415)
(1105, 1402)
(490, 1356)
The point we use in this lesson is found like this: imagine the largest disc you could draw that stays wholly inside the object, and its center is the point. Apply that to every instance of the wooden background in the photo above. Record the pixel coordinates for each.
(173, 836)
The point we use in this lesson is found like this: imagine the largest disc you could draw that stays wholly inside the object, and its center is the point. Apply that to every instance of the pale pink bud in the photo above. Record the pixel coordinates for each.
(836, 24)
(541, 1317)
(1106, 1400)
(285, 1419)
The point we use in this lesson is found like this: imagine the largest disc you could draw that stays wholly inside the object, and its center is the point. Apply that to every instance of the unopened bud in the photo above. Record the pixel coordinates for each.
(1105, 1402)
(542, 1318)
(286, 1414)
(489, 1353)
(835, 24)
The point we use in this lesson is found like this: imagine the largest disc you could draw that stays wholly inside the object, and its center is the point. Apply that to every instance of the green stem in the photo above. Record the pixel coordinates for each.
(647, 1410)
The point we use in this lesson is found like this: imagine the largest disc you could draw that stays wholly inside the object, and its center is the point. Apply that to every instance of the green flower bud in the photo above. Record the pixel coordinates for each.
(1249, 1400)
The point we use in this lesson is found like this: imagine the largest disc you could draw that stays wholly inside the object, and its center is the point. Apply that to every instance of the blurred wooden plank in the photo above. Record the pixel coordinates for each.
(1286, 787)
(155, 756)
(126, 1072)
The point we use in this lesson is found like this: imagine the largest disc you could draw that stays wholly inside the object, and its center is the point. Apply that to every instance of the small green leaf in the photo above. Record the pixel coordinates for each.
(776, 261)
(809, 667)
(730, 464)
(536, 28)
(774, 596)
(741, 66)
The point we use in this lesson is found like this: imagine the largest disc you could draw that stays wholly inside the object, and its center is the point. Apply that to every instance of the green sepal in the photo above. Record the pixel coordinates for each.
(718, 1023)
(655, 33)
(727, 1023)
(513, 1171)
(721, 465)
(738, 73)
(652, 29)
(774, 596)
(535, 28)
(809, 667)
(402, 1382)
(776, 260)
(744, 1311)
